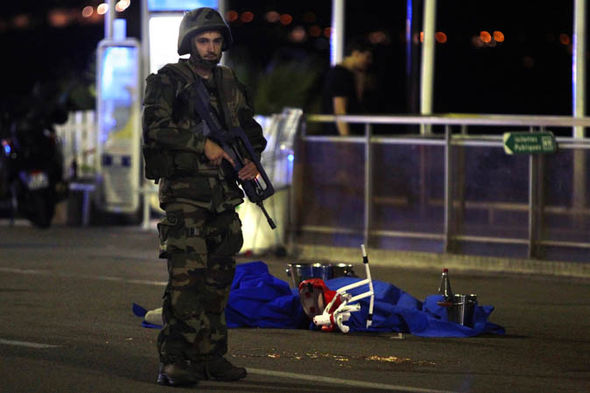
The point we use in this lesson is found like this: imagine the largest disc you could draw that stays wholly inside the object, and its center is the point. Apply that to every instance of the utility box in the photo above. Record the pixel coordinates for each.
(119, 125)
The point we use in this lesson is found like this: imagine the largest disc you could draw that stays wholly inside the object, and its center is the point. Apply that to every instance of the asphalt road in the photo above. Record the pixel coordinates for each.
(66, 326)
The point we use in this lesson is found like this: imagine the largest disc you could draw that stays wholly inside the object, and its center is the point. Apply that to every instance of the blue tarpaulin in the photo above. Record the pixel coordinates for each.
(258, 299)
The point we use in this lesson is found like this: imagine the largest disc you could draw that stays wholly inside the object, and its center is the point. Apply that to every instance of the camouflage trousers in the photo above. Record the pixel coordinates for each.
(200, 246)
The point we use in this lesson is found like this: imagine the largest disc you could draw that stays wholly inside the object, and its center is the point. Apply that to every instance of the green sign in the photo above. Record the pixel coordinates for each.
(529, 142)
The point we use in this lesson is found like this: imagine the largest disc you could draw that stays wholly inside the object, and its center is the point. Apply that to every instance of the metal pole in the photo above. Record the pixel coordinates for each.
(412, 66)
(337, 37)
(145, 43)
(448, 198)
(145, 70)
(579, 63)
(108, 20)
(427, 78)
(222, 8)
(409, 52)
(368, 183)
(532, 203)
(579, 102)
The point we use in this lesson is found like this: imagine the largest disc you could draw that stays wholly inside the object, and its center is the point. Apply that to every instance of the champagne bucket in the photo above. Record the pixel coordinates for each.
(298, 272)
(462, 310)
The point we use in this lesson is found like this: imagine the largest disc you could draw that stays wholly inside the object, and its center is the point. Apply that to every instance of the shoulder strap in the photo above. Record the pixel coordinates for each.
(222, 76)
(182, 70)
(226, 72)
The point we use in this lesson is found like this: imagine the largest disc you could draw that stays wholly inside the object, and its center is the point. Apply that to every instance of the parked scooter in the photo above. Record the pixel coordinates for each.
(32, 163)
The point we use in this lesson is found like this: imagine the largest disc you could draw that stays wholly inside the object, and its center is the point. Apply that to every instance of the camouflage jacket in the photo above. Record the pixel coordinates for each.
(171, 123)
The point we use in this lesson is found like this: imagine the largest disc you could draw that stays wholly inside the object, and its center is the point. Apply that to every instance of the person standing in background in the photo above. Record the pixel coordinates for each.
(346, 84)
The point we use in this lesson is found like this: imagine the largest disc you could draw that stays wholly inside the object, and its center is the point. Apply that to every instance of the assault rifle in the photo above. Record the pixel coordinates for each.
(236, 144)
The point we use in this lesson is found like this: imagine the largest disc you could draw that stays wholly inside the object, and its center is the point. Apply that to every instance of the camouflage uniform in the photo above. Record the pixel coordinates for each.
(201, 232)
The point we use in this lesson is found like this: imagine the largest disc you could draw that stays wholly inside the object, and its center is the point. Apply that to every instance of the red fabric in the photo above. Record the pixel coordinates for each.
(319, 283)
(318, 286)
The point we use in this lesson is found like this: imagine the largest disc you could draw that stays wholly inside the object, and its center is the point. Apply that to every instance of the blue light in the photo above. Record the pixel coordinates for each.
(7, 149)
(119, 74)
(291, 157)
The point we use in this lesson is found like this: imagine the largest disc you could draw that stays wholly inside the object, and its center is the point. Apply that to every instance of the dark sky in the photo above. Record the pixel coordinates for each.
(530, 72)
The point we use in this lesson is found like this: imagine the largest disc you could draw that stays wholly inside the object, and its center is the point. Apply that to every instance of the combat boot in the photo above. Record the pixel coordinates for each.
(176, 374)
(218, 369)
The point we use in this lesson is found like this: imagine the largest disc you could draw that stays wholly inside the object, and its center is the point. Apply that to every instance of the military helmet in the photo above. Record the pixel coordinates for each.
(197, 21)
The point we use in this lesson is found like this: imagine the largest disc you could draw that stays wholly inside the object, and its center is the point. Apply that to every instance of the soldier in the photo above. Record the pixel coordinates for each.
(201, 232)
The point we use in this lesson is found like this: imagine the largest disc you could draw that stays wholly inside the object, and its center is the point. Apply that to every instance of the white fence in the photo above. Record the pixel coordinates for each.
(78, 139)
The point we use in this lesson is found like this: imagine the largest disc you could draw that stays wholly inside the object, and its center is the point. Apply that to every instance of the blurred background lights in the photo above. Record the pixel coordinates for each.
(440, 37)
(415, 38)
(231, 16)
(315, 31)
(247, 17)
(122, 5)
(477, 42)
(102, 8)
(298, 34)
(485, 39)
(498, 36)
(21, 21)
(272, 16)
(87, 11)
(378, 37)
(564, 39)
(286, 19)
(58, 18)
(485, 36)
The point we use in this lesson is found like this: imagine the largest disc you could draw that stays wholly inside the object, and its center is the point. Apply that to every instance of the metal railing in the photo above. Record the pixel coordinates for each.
(465, 215)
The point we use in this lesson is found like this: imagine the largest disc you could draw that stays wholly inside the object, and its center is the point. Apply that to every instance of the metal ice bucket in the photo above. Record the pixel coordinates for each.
(462, 310)
(298, 272)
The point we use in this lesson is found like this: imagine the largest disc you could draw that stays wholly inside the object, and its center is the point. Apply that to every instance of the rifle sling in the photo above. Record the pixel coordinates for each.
(204, 108)
(202, 103)
(223, 106)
